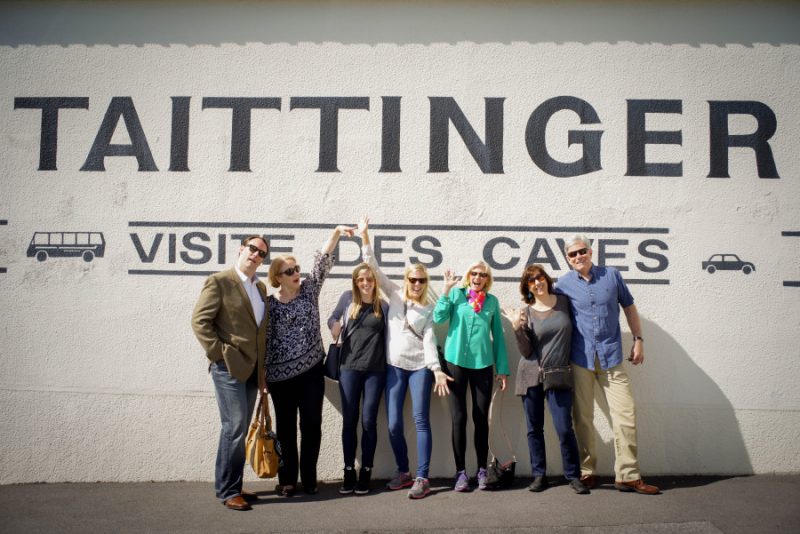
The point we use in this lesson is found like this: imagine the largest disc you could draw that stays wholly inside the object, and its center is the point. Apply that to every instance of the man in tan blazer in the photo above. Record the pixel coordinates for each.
(230, 321)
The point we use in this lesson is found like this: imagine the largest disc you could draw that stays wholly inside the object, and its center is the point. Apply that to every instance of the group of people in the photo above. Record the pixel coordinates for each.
(273, 345)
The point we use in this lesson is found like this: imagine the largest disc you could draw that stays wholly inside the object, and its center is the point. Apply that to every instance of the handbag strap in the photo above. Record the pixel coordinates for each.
(262, 414)
(408, 325)
(502, 426)
(347, 332)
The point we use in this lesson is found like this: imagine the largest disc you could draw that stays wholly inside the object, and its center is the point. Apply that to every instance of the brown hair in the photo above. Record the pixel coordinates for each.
(376, 297)
(529, 272)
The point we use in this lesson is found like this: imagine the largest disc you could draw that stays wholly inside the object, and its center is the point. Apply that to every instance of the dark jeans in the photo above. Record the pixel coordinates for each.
(301, 394)
(353, 386)
(236, 401)
(398, 383)
(479, 382)
(560, 403)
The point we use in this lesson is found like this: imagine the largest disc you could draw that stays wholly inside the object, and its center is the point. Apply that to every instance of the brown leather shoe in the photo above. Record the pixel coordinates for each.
(589, 481)
(638, 486)
(237, 503)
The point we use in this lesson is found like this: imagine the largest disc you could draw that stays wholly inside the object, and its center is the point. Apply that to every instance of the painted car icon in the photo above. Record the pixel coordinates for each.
(727, 262)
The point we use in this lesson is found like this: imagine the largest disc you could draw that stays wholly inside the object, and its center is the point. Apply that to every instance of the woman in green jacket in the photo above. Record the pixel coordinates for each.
(474, 349)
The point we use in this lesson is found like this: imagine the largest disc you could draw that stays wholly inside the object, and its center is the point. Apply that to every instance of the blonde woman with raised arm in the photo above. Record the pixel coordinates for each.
(412, 364)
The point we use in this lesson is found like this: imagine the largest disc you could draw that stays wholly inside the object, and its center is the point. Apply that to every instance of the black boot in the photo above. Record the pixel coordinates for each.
(349, 482)
(364, 477)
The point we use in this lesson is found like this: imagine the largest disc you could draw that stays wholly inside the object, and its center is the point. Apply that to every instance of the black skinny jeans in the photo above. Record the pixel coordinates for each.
(480, 386)
(301, 394)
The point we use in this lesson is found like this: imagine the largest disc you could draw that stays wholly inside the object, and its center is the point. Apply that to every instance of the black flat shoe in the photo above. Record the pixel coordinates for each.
(538, 484)
(287, 491)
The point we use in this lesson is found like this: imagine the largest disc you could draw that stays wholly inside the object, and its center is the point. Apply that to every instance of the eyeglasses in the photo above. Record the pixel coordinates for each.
(290, 271)
(413, 281)
(261, 253)
(538, 278)
(479, 274)
(579, 252)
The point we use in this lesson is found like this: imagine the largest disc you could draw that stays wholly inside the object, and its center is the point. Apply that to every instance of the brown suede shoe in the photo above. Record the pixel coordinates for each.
(237, 503)
(589, 481)
(638, 486)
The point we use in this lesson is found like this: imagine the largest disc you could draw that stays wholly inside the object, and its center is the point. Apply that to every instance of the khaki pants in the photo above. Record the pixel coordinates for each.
(615, 388)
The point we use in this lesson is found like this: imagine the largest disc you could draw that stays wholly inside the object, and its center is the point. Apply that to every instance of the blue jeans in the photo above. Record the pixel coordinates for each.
(560, 403)
(236, 402)
(353, 385)
(421, 384)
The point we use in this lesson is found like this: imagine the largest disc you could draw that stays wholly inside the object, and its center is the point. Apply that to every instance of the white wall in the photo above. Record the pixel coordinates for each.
(103, 379)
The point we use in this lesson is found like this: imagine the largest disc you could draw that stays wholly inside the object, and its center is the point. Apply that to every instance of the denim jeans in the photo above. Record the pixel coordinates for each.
(236, 402)
(420, 382)
(353, 386)
(560, 403)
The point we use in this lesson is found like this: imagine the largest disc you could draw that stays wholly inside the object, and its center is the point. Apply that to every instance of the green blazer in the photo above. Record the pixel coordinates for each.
(225, 325)
(474, 340)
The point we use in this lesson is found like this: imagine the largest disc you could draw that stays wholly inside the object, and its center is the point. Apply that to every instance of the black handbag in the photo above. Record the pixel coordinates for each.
(557, 377)
(500, 475)
(333, 360)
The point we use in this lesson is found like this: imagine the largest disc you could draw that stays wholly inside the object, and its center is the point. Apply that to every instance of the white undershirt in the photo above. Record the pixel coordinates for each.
(251, 289)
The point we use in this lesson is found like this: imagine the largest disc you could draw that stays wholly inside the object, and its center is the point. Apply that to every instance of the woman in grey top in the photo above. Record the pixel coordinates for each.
(543, 330)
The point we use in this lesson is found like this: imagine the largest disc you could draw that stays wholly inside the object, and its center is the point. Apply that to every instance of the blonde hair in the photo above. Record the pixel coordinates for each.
(425, 298)
(465, 279)
(376, 297)
(276, 266)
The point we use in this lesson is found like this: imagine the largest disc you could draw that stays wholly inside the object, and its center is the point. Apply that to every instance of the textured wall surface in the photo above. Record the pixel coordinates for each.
(102, 377)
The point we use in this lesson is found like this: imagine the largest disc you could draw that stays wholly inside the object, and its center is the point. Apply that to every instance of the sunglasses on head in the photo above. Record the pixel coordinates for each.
(261, 253)
(413, 281)
(479, 274)
(291, 270)
(579, 252)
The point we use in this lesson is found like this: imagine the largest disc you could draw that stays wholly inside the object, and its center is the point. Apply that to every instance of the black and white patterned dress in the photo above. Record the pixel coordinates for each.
(294, 340)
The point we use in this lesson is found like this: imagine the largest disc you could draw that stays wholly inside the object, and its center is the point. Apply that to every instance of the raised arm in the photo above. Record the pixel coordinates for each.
(444, 306)
(385, 284)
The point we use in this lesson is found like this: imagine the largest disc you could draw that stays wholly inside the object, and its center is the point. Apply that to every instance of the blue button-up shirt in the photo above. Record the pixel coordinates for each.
(595, 315)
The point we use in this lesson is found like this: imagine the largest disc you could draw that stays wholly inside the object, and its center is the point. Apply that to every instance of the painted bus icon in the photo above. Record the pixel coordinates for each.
(87, 245)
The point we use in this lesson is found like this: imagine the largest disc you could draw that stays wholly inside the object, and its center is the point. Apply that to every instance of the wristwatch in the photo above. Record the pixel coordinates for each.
(640, 338)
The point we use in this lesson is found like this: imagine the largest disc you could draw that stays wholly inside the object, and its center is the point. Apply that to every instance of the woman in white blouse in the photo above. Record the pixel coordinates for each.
(412, 363)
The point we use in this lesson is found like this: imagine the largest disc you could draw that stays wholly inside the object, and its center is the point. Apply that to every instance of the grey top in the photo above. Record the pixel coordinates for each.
(545, 337)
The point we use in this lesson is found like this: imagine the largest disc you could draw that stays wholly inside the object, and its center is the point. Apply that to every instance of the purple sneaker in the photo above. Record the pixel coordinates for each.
(483, 478)
(462, 482)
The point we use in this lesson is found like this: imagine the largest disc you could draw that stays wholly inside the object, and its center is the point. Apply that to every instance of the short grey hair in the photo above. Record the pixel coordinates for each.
(574, 239)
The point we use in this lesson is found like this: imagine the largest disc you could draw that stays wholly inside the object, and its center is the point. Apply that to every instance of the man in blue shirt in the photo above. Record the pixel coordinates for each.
(595, 294)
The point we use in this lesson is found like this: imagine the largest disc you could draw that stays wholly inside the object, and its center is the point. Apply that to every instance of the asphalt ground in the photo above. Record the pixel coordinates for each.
(745, 504)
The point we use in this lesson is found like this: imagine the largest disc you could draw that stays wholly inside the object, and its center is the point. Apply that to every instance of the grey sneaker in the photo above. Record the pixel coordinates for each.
(483, 478)
(400, 481)
(420, 489)
(462, 482)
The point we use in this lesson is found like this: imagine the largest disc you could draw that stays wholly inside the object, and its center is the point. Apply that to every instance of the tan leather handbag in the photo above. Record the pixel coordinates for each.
(262, 447)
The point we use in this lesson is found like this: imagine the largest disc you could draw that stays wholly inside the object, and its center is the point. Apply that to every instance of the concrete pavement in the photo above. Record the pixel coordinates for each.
(764, 503)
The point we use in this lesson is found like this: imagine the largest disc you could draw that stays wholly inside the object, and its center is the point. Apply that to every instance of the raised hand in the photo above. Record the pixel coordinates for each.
(450, 279)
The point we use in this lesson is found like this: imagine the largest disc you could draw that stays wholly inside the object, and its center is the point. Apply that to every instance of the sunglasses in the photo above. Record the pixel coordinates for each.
(579, 252)
(413, 281)
(479, 274)
(290, 271)
(538, 278)
(261, 253)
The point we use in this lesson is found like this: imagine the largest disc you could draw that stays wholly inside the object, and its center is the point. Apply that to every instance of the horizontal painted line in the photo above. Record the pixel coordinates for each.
(791, 283)
(346, 276)
(3, 270)
(790, 233)
(3, 222)
(451, 227)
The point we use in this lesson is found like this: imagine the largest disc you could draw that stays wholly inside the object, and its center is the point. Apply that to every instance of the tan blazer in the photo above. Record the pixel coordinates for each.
(225, 325)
